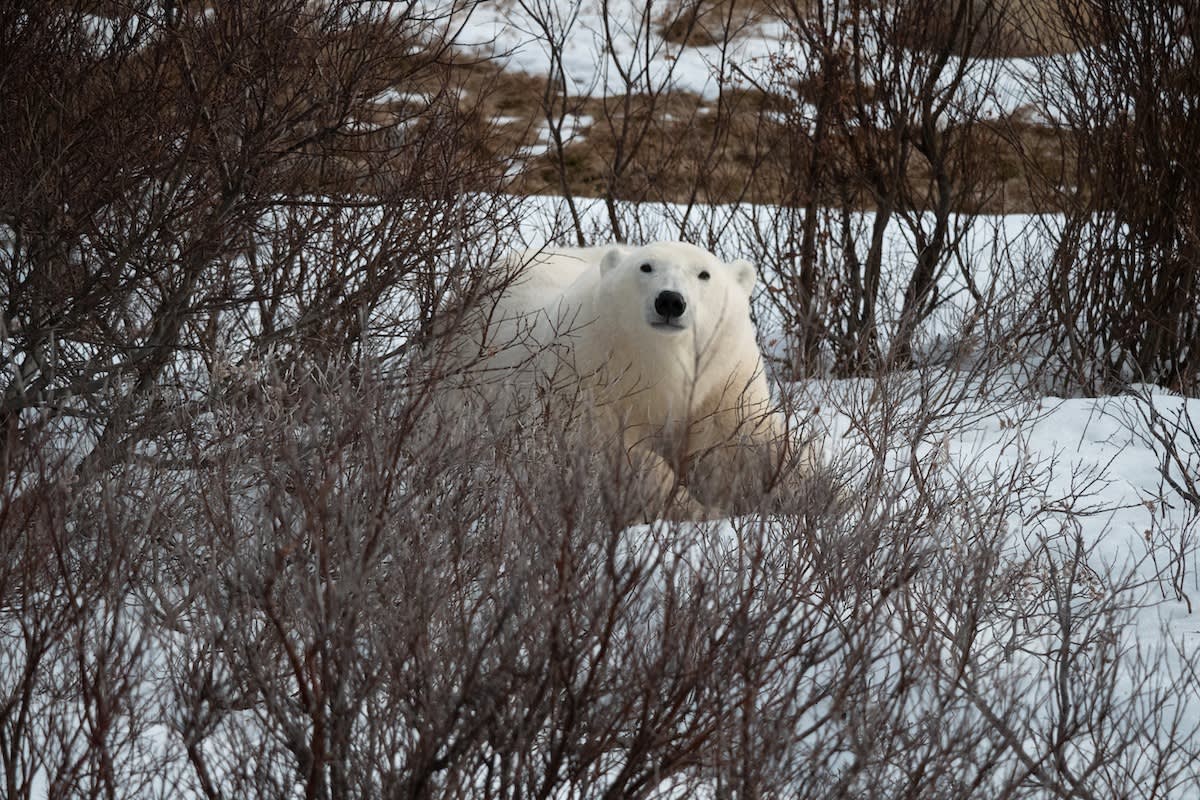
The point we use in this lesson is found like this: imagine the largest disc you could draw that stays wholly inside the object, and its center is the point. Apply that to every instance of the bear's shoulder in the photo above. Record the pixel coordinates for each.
(559, 268)
(540, 280)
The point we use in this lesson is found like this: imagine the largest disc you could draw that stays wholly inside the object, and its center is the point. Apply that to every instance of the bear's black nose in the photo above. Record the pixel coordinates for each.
(670, 304)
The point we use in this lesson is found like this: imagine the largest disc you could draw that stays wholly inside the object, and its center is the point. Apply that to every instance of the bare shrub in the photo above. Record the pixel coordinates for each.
(872, 124)
(1173, 433)
(471, 620)
(405, 616)
(191, 198)
(1032, 624)
(343, 599)
(1121, 292)
(642, 137)
(78, 663)
(244, 553)
(170, 207)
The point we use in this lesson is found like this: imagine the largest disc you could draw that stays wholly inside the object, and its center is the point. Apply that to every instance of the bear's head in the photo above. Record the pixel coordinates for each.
(670, 288)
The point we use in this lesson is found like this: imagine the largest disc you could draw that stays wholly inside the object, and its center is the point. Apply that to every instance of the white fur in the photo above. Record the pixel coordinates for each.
(689, 389)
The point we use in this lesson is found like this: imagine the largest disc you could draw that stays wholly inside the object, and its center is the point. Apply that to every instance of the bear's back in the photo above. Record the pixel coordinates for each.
(547, 297)
(545, 278)
(516, 335)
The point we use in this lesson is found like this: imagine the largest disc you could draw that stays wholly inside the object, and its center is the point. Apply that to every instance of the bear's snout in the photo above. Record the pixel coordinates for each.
(670, 304)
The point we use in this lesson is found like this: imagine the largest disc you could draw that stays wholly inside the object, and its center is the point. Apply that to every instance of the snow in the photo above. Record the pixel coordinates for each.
(572, 130)
(1100, 451)
(108, 32)
(394, 95)
(572, 126)
(623, 51)
(591, 67)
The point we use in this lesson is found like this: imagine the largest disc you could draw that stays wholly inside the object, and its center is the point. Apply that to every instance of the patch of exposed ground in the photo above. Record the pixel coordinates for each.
(678, 148)
(698, 23)
(752, 146)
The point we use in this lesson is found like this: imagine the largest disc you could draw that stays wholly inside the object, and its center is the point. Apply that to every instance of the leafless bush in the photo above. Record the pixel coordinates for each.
(348, 594)
(77, 660)
(1174, 435)
(1121, 292)
(634, 134)
(1021, 603)
(426, 620)
(191, 199)
(184, 191)
(244, 553)
(893, 129)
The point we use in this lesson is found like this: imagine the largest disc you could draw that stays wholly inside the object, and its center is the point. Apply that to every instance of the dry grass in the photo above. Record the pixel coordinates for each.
(697, 155)
(697, 152)
(692, 152)
(1003, 29)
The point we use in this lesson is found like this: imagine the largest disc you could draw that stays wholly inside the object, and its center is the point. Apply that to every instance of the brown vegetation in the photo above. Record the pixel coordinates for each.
(700, 23)
(743, 140)
(1121, 293)
(999, 28)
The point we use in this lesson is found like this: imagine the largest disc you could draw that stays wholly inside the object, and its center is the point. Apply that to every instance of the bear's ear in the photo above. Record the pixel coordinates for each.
(611, 259)
(745, 274)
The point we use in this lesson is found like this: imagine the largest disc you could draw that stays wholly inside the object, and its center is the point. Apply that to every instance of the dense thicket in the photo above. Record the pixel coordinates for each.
(1123, 287)
(245, 552)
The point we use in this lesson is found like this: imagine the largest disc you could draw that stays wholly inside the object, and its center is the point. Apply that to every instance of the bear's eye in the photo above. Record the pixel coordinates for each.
(647, 268)
(704, 275)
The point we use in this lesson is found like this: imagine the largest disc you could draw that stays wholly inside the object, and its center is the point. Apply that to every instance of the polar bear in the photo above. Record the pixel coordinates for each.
(659, 342)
